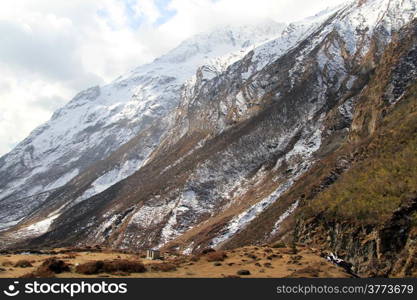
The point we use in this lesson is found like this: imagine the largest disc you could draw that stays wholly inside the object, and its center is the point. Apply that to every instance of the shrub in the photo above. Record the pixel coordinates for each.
(54, 265)
(48, 269)
(243, 272)
(23, 263)
(39, 274)
(123, 266)
(113, 267)
(207, 251)
(89, 268)
(162, 267)
(216, 256)
(279, 244)
(7, 263)
(195, 258)
(307, 272)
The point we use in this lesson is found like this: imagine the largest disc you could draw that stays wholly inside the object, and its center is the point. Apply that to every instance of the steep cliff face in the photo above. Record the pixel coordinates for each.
(360, 202)
(254, 139)
(369, 214)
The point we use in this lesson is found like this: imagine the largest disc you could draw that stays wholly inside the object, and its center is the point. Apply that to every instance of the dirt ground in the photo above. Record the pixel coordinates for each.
(246, 262)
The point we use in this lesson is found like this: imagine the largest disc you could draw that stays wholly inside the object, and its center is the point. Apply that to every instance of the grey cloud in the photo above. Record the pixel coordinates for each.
(4, 87)
(87, 80)
(50, 54)
(50, 103)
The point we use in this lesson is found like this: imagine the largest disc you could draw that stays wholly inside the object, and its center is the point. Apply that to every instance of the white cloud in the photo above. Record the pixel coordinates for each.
(52, 49)
(146, 9)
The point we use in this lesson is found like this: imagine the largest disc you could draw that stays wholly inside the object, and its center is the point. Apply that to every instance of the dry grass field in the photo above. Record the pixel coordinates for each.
(246, 262)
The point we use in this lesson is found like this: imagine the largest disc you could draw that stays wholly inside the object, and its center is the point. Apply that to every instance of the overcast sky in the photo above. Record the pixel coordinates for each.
(52, 49)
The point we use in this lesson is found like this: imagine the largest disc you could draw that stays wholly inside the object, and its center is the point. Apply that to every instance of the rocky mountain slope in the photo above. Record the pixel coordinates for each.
(281, 140)
(135, 108)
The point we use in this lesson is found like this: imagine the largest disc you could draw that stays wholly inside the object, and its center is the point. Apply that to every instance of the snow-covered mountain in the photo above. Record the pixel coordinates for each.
(199, 148)
(100, 120)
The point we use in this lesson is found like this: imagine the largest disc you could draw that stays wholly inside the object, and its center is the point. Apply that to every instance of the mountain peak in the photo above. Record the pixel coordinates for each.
(210, 145)
(227, 38)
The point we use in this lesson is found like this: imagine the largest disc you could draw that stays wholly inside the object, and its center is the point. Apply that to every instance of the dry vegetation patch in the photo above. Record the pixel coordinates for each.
(216, 256)
(23, 264)
(107, 264)
(49, 268)
(112, 267)
(162, 267)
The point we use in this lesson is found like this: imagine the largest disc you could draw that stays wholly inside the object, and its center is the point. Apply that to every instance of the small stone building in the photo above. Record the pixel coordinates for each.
(153, 254)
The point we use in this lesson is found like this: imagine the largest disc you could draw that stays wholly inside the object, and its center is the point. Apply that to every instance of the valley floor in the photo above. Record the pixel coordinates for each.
(251, 262)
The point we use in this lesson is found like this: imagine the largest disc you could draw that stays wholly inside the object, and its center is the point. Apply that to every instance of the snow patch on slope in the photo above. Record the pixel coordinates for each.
(188, 203)
(285, 215)
(62, 180)
(37, 228)
(110, 178)
(303, 149)
(240, 221)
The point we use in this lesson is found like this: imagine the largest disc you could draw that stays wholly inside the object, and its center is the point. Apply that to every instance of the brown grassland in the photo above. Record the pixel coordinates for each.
(256, 261)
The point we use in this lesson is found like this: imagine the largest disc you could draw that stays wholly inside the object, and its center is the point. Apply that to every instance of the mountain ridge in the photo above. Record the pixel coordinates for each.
(240, 139)
(147, 92)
